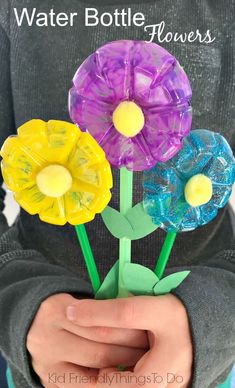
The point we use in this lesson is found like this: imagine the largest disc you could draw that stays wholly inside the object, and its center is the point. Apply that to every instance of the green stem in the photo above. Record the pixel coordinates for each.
(165, 254)
(88, 256)
(126, 190)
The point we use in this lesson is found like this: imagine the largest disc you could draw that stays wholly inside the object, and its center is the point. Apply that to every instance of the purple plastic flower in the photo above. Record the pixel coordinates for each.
(127, 82)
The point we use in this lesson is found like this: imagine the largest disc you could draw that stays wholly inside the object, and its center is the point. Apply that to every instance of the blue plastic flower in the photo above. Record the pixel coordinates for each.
(187, 191)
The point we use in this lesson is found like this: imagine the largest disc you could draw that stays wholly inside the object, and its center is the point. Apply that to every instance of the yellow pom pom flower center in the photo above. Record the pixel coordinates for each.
(128, 118)
(54, 180)
(198, 190)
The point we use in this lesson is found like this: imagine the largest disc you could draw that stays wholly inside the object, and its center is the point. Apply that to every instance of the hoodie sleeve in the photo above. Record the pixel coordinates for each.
(209, 297)
(26, 277)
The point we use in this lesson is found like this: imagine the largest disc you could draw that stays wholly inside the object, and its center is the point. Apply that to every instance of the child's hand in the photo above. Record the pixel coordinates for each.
(58, 347)
(168, 363)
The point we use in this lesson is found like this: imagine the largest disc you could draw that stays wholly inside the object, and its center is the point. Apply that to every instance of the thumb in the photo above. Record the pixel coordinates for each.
(137, 312)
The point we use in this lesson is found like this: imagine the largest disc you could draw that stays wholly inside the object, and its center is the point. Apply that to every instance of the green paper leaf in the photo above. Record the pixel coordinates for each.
(109, 287)
(135, 225)
(141, 223)
(138, 279)
(116, 223)
(170, 282)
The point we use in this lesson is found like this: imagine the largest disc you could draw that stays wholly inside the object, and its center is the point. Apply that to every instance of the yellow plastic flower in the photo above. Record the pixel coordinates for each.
(57, 171)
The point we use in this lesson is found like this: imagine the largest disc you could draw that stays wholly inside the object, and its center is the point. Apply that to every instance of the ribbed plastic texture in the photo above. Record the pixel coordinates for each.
(203, 152)
(146, 74)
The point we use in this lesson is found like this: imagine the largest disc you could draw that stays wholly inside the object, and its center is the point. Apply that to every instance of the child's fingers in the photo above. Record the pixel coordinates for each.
(80, 351)
(167, 364)
(130, 313)
(109, 335)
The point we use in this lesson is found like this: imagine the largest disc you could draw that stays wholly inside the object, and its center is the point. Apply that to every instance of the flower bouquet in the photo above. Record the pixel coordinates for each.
(130, 104)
